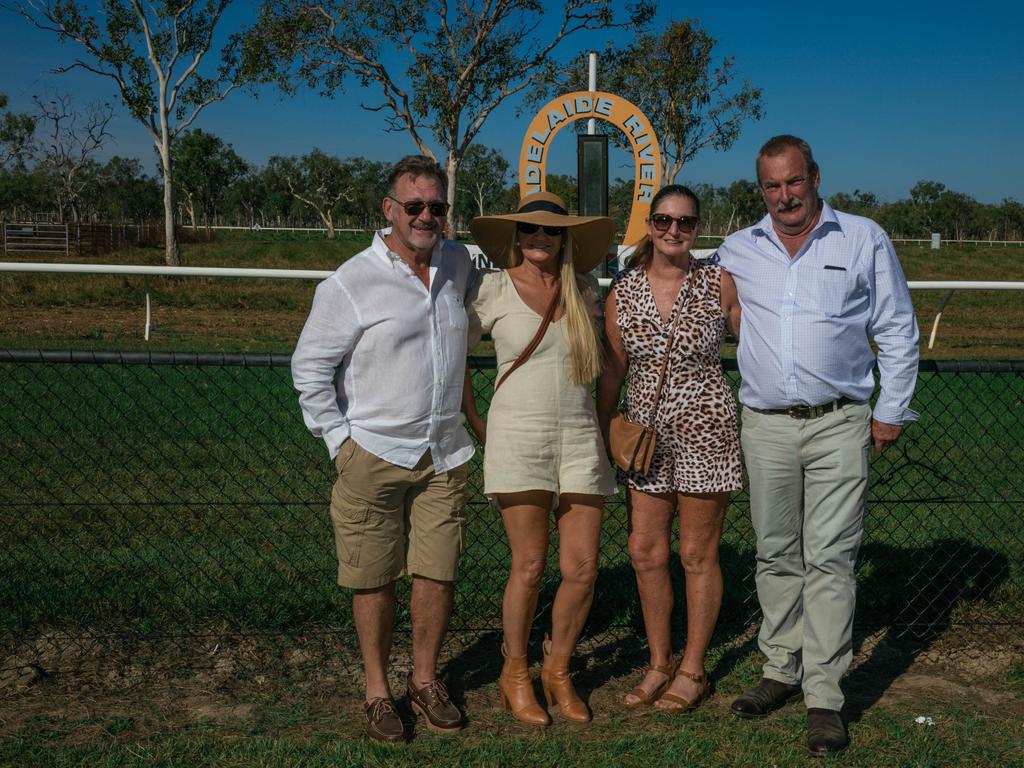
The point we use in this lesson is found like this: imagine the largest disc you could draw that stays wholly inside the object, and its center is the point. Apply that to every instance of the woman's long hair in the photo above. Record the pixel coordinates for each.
(580, 323)
(643, 251)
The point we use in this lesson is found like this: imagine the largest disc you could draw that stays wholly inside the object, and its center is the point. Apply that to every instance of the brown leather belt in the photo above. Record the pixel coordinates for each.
(809, 411)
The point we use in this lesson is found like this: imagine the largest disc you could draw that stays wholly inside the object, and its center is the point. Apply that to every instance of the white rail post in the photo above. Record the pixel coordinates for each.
(149, 310)
(938, 316)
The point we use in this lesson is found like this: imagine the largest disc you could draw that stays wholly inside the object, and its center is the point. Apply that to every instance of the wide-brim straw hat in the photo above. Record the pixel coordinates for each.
(592, 236)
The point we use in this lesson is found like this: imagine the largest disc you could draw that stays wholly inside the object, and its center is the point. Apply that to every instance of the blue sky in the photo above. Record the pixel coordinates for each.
(886, 93)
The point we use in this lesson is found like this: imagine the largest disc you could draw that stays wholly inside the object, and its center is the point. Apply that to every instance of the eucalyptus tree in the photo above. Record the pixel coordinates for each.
(248, 198)
(368, 181)
(441, 69)
(692, 100)
(157, 56)
(66, 141)
(317, 180)
(565, 186)
(859, 203)
(23, 192)
(1010, 220)
(481, 184)
(746, 206)
(206, 168)
(126, 193)
(16, 132)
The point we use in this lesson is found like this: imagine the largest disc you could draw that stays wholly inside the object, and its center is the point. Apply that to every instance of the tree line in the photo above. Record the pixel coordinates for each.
(215, 186)
(439, 70)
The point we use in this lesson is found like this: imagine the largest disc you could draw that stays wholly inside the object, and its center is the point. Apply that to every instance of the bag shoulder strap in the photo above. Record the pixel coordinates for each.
(668, 346)
(541, 330)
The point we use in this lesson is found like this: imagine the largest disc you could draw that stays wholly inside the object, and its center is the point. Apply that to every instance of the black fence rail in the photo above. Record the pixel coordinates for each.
(163, 501)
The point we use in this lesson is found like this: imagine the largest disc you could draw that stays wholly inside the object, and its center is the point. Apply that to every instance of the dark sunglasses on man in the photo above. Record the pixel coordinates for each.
(415, 207)
(529, 229)
(662, 222)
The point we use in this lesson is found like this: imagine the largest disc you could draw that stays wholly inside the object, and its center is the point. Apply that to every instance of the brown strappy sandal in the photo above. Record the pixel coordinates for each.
(645, 699)
(686, 706)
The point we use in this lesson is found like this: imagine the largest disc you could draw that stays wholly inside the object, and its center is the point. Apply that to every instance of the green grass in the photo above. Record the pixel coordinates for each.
(157, 504)
(880, 738)
(164, 500)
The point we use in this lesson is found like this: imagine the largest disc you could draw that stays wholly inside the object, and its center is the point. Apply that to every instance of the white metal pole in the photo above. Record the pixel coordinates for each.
(149, 313)
(592, 86)
(938, 316)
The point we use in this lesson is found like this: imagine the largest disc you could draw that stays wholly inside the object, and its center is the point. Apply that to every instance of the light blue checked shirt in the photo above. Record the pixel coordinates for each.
(808, 321)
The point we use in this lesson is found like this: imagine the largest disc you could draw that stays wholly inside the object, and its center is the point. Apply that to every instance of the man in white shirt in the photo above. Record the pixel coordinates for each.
(380, 366)
(816, 287)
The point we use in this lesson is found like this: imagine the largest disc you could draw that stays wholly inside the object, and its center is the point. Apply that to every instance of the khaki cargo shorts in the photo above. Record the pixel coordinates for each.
(390, 521)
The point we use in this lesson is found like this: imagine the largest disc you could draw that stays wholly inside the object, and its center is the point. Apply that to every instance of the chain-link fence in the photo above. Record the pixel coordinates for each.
(171, 501)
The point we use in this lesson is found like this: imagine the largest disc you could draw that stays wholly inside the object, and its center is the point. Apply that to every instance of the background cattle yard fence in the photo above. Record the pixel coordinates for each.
(171, 504)
(77, 240)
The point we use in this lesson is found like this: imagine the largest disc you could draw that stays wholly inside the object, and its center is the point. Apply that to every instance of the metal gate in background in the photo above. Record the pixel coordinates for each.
(37, 238)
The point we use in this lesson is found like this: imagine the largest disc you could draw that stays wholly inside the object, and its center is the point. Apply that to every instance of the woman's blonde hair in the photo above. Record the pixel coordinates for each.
(580, 324)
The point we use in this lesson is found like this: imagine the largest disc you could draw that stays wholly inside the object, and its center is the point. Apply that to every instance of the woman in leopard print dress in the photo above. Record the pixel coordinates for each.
(696, 462)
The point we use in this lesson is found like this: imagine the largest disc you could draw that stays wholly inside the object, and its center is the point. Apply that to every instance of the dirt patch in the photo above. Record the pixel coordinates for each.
(254, 687)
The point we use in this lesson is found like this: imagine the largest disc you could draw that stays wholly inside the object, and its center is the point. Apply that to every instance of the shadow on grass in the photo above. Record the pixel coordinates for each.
(613, 642)
(913, 594)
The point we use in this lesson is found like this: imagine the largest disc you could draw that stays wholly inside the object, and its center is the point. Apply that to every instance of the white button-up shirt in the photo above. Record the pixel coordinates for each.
(381, 358)
(808, 321)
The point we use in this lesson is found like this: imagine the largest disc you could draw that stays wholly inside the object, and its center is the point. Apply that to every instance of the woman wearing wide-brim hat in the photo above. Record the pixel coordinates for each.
(543, 449)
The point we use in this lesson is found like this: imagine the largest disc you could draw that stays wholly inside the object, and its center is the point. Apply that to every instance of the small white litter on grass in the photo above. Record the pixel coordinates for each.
(923, 720)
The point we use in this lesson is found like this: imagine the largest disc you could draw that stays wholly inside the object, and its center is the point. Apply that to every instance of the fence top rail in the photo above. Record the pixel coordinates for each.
(320, 274)
(283, 360)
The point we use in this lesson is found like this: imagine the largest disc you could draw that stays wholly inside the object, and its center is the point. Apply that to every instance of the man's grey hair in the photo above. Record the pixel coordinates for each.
(776, 145)
(416, 165)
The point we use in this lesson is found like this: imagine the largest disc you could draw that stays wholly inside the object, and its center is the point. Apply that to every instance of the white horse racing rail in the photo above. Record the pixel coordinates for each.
(950, 286)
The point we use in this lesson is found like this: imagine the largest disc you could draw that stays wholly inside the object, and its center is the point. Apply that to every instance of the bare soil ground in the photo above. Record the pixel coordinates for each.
(306, 691)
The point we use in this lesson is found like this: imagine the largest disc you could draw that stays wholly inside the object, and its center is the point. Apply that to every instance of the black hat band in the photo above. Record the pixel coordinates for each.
(543, 205)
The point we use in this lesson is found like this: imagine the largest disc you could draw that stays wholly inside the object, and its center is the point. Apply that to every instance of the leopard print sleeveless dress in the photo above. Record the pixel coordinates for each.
(697, 447)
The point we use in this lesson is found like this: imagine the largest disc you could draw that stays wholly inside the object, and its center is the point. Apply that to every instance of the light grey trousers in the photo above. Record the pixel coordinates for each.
(808, 485)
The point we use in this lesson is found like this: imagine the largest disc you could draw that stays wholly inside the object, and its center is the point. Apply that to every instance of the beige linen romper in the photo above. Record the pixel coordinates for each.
(542, 429)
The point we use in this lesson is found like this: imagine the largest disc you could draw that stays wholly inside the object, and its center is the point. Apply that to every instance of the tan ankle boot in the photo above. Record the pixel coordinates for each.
(517, 691)
(558, 686)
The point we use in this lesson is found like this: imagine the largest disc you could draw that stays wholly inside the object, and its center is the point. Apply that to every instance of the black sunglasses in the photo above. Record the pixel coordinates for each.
(415, 207)
(662, 222)
(529, 229)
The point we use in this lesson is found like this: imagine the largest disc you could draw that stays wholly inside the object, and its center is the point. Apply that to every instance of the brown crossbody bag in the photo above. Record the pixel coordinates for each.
(632, 444)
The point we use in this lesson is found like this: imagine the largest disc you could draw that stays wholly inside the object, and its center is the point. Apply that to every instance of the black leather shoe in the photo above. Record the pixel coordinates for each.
(825, 732)
(766, 696)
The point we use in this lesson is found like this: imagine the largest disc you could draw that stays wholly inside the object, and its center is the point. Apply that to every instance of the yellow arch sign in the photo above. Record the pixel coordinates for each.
(581, 105)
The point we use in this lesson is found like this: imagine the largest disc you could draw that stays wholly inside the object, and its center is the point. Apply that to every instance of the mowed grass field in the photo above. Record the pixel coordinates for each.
(107, 312)
(165, 500)
(165, 529)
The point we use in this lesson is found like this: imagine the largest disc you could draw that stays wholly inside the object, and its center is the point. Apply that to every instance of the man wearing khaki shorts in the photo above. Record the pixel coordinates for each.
(380, 366)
